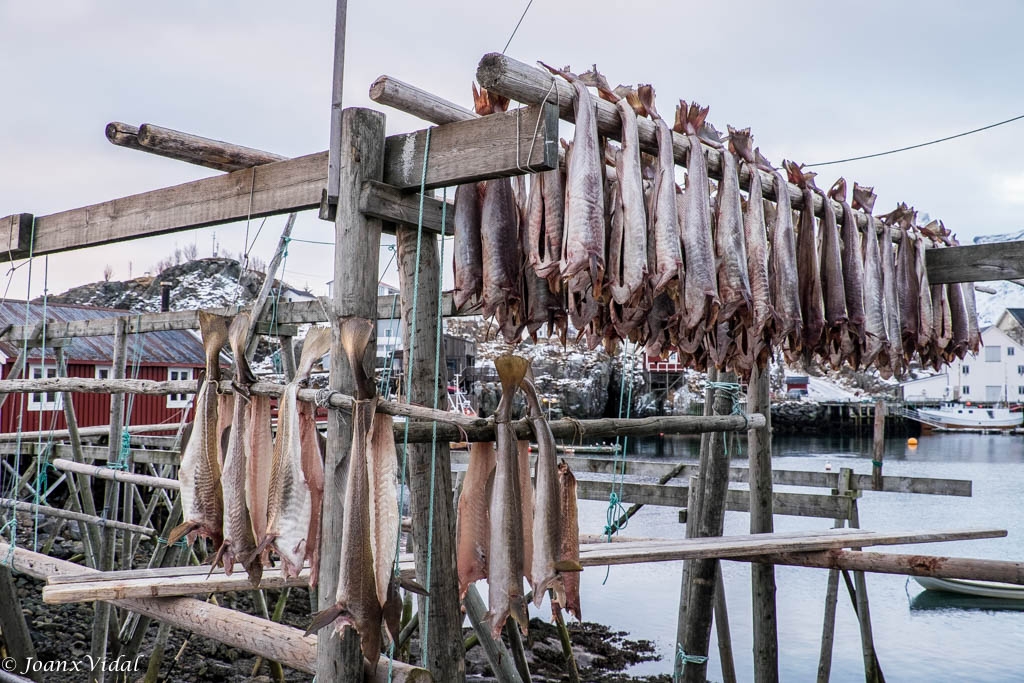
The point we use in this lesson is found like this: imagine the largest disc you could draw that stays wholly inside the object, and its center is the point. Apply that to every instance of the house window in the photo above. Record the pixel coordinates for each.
(1020, 369)
(1020, 390)
(49, 400)
(967, 369)
(1009, 350)
(992, 354)
(178, 375)
(965, 389)
(102, 372)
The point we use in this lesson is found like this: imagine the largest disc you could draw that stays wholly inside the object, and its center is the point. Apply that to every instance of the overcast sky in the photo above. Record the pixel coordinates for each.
(815, 82)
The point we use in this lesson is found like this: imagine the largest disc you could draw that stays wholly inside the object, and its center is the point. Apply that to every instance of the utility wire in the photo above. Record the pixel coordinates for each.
(518, 24)
(923, 144)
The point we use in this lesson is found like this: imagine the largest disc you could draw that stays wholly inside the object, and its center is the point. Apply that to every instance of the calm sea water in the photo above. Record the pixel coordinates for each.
(917, 638)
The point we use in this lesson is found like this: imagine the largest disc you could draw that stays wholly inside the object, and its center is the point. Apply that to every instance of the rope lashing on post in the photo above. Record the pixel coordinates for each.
(405, 440)
(616, 517)
(732, 391)
(681, 656)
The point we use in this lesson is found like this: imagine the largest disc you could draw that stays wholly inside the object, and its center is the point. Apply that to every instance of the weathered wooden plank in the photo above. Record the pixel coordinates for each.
(97, 472)
(81, 584)
(14, 629)
(16, 235)
(390, 204)
(495, 146)
(60, 513)
(263, 637)
(976, 263)
(736, 500)
(737, 475)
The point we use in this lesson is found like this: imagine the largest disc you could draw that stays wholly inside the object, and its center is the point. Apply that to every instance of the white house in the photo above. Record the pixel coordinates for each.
(994, 375)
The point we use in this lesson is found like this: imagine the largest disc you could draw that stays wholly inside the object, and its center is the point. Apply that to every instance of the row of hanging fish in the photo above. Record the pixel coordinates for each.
(615, 246)
(247, 492)
(508, 529)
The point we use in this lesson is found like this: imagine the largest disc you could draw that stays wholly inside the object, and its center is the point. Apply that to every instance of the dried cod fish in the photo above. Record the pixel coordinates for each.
(835, 344)
(853, 276)
(545, 221)
(567, 595)
(473, 523)
(785, 283)
(812, 311)
(876, 338)
(665, 232)
(199, 473)
(506, 563)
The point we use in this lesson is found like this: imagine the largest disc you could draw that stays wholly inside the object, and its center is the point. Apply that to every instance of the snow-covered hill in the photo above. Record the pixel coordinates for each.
(1008, 294)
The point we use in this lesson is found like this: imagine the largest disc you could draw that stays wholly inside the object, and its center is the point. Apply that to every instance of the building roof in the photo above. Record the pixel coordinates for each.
(1018, 315)
(173, 347)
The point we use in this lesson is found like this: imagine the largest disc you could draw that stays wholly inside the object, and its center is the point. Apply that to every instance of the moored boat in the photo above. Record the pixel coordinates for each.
(967, 417)
(981, 589)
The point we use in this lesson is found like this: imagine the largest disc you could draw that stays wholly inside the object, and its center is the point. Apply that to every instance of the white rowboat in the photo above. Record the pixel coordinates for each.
(982, 589)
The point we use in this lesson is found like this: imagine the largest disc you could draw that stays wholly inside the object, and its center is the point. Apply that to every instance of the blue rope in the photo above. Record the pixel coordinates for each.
(687, 659)
(732, 391)
(408, 382)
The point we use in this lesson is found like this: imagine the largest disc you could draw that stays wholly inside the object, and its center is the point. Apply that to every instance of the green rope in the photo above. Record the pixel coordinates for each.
(433, 430)
(409, 364)
(616, 511)
(687, 659)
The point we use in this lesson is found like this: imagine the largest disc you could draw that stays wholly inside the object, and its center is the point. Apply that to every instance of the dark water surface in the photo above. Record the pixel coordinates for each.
(918, 637)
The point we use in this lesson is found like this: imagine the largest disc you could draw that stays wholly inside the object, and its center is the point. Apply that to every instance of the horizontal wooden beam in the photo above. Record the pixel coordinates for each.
(491, 146)
(523, 140)
(391, 205)
(179, 581)
(47, 511)
(736, 500)
(108, 473)
(276, 642)
(193, 149)
(824, 480)
(418, 102)
(976, 263)
(909, 565)
(103, 431)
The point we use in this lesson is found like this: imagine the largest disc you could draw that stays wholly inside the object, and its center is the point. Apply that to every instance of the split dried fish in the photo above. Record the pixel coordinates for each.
(876, 338)
(665, 231)
(812, 311)
(473, 523)
(835, 344)
(567, 595)
(202, 502)
(785, 284)
(545, 221)
(853, 277)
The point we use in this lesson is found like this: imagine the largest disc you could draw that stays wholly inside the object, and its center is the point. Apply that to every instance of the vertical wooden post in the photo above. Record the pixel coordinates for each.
(80, 484)
(356, 253)
(288, 358)
(498, 656)
(444, 654)
(712, 517)
(828, 630)
(762, 576)
(878, 442)
(336, 152)
(12, 623)
(722, 629)
(101, 619)
(872, 671)
(16, 369)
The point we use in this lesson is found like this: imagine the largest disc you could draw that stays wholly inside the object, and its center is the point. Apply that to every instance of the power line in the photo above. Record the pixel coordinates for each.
(923, 144)
(522, 16)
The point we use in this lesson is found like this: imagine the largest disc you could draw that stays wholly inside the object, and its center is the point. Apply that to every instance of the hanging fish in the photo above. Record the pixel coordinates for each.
(783, 270)
(468, 259)
(506, 563)
(960, 315)
(239, 544)
(701, 301)
(876, 337)
(812, 311)
(199, 474)
(473, 524)
(567, 595)
(908, 285)
(731, 258)
(835, 345)
(853, 276)
(295, 497)
(665, 229)
(385, 521)
(541, 304)
(357, 605)
(583, 245)
(545, 223)
(887, 256)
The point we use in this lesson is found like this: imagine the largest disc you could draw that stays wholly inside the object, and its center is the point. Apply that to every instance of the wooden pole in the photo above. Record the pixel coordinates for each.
(498, 656)
(101, 619)
(872, 671)
(712, 516)
(335, 160)
(288, 357)
(106, 473)
(828, 629)
(268, 284)
(878, 443)
(356, 253)
(418, 102)
(762, 576)
(722, 629)
(59, 513)
(16, 369)
(81, 488)
(193, 149)
(907, 565)
(443, 652)
(12, 623)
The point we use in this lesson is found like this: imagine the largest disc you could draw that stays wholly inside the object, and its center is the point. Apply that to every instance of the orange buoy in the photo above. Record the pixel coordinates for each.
(912, 442)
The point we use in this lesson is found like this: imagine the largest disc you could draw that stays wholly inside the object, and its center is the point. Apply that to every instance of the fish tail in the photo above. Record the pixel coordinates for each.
(214, 330)
(314, 346)
(223, 556)
(519, 613)
(181, 531)
(238, 337)
(741, 143)
(412, 586)
(511, 371)
(481, 104)
(326, 617)
(355, 337)
(838, 190)
(645, 95)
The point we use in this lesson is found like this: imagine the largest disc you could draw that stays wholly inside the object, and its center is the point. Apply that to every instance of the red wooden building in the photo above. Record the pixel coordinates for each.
(169, 355)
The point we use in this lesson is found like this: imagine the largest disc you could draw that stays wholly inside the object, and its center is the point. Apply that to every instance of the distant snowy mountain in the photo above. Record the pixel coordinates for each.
(1008, 294)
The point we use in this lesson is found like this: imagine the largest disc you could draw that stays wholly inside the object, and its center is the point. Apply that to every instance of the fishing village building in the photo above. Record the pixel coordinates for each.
(160, 356)
(994, 375)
